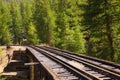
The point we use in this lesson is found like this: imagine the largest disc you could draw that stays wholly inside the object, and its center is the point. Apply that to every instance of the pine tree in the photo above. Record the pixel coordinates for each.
(61, 22)
(32, 37)
(68, 26)
(78, 44)
(5, 22)
(16, 22)
(26, 13)
(99, 22)
(45, 21)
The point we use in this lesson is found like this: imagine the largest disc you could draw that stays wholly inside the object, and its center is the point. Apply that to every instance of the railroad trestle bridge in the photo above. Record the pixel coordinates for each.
(49, 63)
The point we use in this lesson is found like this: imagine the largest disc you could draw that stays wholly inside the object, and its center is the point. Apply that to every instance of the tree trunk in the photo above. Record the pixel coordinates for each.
(109, 31)
(48, 35)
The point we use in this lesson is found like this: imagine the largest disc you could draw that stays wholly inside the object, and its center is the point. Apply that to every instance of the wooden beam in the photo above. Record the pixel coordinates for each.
(32, 63)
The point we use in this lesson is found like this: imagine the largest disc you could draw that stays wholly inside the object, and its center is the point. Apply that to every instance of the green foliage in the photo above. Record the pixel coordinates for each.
(83, 26)
(5, 23)
(26, 13)
(16, 27)
(68, 26)
(101, 19)
(45, 21)
(32, 36)
(2, 78)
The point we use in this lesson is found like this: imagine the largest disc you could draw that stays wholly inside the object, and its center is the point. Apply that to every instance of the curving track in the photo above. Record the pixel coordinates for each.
(80, 66)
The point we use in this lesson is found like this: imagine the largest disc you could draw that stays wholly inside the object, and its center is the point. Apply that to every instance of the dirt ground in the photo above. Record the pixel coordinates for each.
(4, 57)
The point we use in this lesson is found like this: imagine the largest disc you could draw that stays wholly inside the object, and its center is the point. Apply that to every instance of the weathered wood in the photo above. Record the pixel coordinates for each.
(16, 61)
(32, 63)
(17, 73)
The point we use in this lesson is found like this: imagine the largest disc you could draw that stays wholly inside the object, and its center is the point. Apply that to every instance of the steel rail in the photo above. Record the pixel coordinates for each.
(76, 71)
(110, 72)
(103, 62)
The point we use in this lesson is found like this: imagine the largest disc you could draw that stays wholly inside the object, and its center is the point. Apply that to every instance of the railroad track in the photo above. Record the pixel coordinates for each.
(110, 66)
(83, 67)
(60, 67)
(98, 68)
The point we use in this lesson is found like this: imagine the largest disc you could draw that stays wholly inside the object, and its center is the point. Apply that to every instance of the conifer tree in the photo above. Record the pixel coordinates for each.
(44, 20)
(68, 26)
(32, 37)
(100, 21)
(5, 23)
(26, 13)
(16, 22)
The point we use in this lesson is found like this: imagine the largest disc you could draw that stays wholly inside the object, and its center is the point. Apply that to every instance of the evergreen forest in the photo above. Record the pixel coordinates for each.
(90, 27)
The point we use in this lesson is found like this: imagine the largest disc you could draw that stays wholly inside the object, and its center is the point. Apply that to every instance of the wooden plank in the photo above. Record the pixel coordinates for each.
(32, 63)
(13, 73)
(16, 61)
